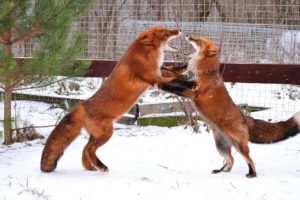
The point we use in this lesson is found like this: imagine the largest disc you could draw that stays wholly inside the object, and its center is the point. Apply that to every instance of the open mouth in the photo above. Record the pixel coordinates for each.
(195, 47)
(169, 47)
(190, 52)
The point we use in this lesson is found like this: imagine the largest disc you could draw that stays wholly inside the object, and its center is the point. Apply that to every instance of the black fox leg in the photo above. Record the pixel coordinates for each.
(183, 83)
(178, 67)
(180, 91)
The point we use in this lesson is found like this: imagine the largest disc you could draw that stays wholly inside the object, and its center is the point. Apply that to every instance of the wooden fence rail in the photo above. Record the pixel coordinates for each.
(231, 72)
(242, 73)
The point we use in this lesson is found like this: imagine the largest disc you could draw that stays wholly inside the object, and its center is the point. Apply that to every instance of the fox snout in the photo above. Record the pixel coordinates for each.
(190, 38)
(175, 32)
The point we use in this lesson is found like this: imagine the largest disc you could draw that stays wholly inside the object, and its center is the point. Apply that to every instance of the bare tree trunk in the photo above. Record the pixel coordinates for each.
(7, 114)
(7, 99)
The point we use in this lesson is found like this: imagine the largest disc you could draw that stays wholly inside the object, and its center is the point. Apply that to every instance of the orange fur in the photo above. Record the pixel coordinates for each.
(216, 106)
(229, 126)
(260, 131)
(263, 132)
(138, 68)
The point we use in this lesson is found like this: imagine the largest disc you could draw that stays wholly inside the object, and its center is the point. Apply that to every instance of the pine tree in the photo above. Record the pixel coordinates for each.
(48, 23)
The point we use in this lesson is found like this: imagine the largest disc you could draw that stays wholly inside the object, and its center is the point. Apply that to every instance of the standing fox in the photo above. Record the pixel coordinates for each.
(230, 127)
(137, 69)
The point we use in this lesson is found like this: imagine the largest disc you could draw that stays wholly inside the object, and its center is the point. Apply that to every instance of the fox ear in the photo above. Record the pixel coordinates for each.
(146, 40)
(213, 51)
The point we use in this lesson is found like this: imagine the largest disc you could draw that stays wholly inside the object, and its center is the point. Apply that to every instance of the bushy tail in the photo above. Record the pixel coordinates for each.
(263, 132)
(60, 138)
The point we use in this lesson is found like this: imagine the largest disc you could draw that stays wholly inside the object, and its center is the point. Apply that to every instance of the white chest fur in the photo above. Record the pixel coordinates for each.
(161, 57)
(192, 66)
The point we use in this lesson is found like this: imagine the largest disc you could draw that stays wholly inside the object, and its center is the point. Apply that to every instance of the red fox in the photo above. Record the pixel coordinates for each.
(230, 127)
(260, 131)
(138, 68)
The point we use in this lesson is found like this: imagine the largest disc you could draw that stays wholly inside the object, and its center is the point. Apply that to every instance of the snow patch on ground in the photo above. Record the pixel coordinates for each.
(147, 163)
(152, 163)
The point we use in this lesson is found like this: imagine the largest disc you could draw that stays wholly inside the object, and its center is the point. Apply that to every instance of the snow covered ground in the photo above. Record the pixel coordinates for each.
(153, 162)
(146, 163)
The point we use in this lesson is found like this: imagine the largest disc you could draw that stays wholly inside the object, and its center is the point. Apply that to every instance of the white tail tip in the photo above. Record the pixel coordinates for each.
(297, 118)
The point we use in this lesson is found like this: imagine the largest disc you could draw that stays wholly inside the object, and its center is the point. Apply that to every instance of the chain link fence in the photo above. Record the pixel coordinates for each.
(247, 31)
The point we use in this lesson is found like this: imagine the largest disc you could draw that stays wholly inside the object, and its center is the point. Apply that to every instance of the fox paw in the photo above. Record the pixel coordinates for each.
(251, 175)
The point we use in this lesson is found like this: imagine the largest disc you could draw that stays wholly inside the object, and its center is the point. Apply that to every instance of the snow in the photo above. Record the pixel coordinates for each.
(282, 100)
(146, 163)
(65, 88)
(153, 162)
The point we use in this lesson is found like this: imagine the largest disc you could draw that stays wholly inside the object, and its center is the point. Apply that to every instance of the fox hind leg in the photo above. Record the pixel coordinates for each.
(244, 150)
(90, 161)
(228, 162)
(240, 142)
(100, 134)
(224, 148)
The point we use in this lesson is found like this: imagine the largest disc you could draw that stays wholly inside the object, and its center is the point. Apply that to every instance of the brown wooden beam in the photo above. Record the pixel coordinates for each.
(231, 72)
(261, 73)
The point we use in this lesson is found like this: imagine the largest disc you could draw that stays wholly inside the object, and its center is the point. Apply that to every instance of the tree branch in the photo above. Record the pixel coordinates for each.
(41, 86)
(46, 126)
(34, 31)
(38, 28)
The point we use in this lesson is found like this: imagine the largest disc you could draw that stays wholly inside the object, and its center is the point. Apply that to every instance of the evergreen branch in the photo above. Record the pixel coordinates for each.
(38, 28)
(57, 13)
(34, 31)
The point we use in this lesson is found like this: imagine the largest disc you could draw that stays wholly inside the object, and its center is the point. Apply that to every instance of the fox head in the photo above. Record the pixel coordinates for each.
(206, 53)
(204, 47)
(159, 37)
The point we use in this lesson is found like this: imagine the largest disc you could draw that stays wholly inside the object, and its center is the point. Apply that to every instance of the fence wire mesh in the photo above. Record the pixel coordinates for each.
(248, 31)
(254, 31)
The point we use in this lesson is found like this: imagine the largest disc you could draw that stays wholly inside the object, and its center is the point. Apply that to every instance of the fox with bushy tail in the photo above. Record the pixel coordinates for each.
(229, 126)
(137, 69)
(260, 131)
